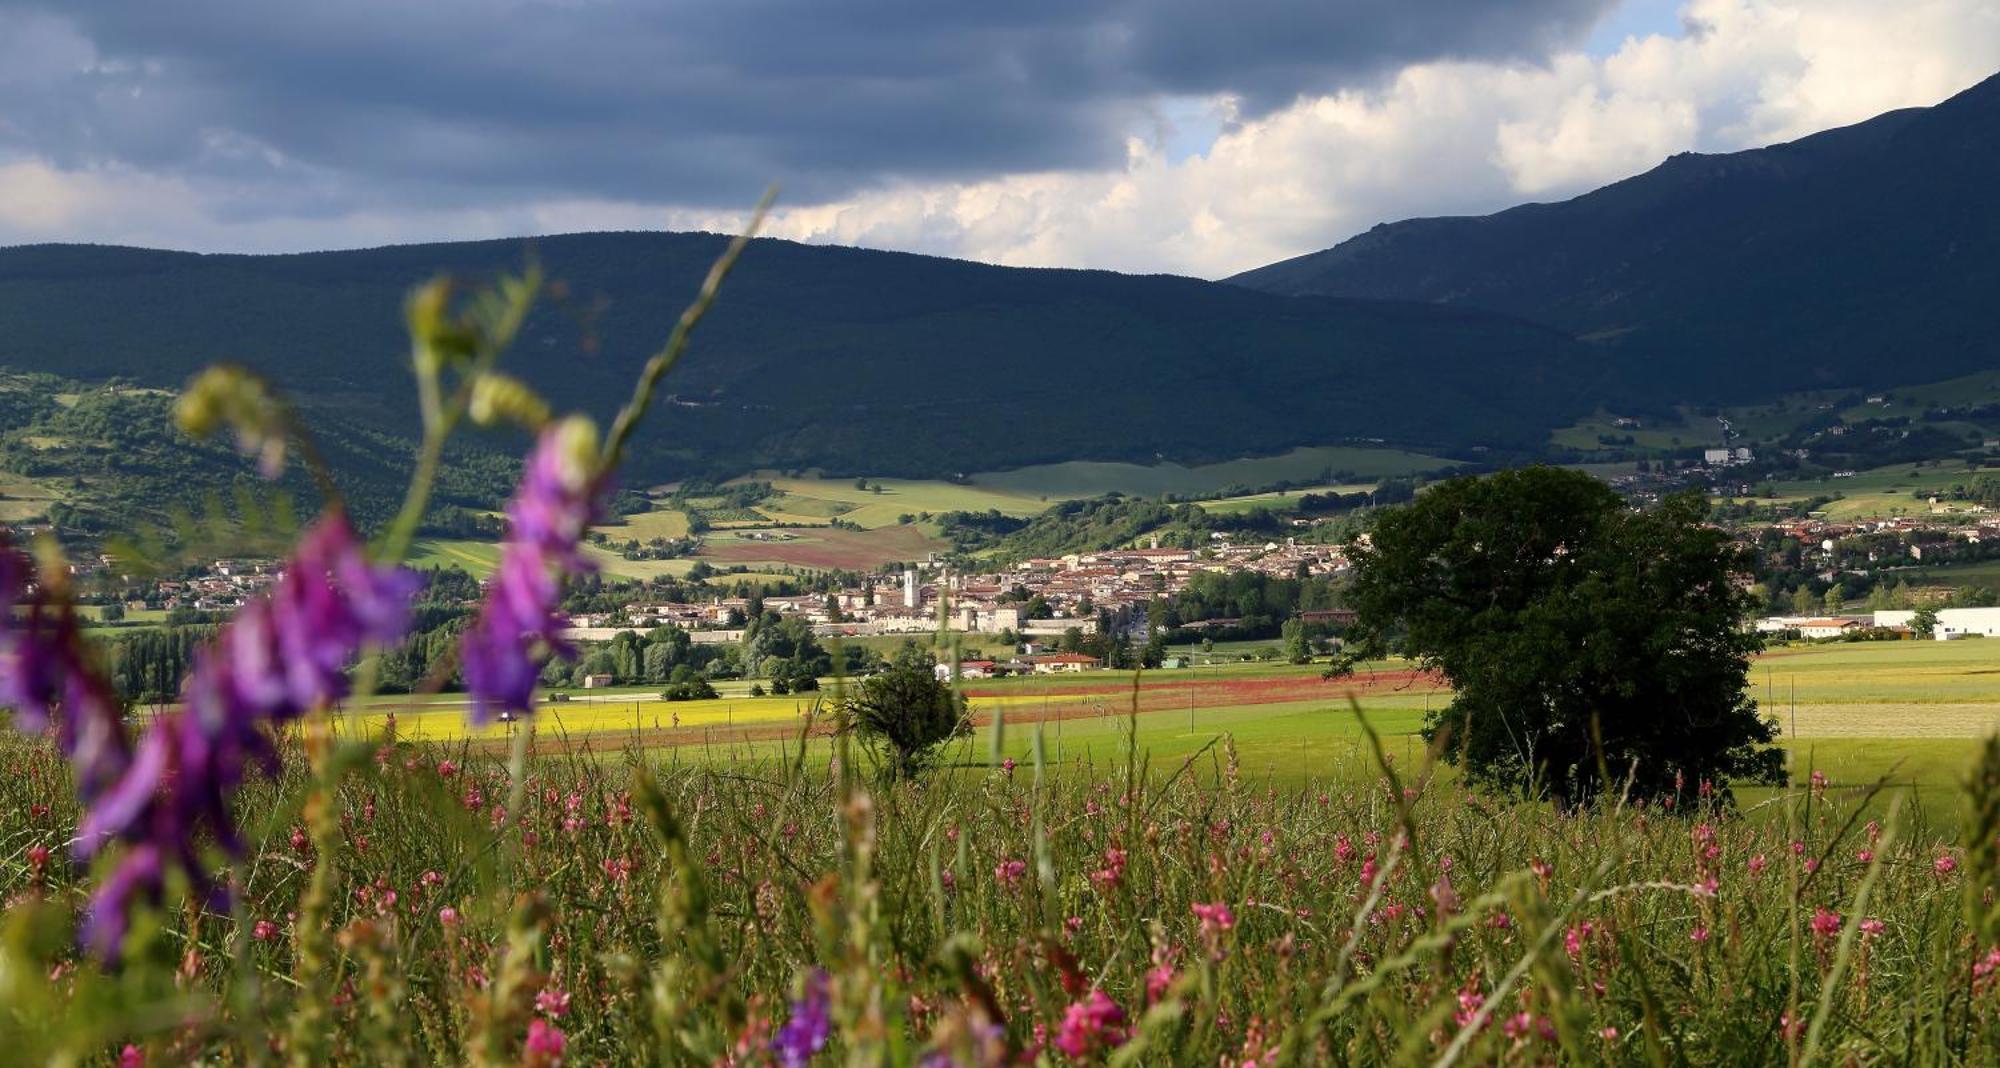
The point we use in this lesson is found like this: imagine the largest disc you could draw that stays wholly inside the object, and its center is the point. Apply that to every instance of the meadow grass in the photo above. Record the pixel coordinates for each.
(660, 912)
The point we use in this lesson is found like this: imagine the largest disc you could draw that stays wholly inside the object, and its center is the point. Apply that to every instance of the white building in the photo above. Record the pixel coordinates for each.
(1952, 622)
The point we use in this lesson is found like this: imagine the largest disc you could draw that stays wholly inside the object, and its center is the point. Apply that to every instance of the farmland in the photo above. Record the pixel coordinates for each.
(1908, 710)
(1899, 489)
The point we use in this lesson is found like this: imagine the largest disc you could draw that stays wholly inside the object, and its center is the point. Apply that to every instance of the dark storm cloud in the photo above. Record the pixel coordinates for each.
(305, 108)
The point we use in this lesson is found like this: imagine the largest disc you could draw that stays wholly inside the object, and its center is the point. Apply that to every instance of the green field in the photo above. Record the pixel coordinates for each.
(1900, 489)
(1282, 500)
(23, 498)
(1083, 478)
(479, 558)
(815, 500)
(1908, 712)
(668, 523)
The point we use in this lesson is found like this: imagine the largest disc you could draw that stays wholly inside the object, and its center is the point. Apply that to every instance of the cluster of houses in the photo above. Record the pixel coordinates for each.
(222, 588)
(1038, 600)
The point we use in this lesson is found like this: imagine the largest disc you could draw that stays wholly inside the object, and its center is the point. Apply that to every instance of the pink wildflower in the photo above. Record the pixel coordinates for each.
(545, 1043)
(552, 1003)
(1090, 1026)
(1215, 918)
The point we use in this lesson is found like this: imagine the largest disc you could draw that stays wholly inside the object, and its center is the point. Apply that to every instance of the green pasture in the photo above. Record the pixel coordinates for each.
(1284, 500)
(23, 498)
(661, 522)
(807, 500)
(479, 558)
(1899, 489)
(1082, 478)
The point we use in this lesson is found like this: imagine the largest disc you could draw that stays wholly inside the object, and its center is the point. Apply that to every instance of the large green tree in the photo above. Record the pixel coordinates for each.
(908, 712)
(1578, 635)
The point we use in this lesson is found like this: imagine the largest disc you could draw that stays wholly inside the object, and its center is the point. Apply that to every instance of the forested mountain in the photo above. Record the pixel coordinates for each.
(1863, 256)
(851, 360)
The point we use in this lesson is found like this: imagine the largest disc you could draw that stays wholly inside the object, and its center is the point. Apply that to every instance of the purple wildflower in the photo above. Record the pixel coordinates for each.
(46, 677)
(806, 1032)
(283, 655)
(555, 503)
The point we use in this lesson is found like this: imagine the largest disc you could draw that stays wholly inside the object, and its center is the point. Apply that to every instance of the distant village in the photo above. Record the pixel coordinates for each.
(1037, 602)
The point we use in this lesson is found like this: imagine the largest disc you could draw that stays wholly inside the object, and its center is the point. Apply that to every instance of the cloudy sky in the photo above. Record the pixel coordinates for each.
(1149, 135)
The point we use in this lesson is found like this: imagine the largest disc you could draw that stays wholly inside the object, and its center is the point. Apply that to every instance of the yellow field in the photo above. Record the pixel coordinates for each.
(434, 720)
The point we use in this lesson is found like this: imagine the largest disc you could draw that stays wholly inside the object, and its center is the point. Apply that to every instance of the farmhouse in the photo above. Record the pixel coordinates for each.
(1053, 663)
(1828, 628)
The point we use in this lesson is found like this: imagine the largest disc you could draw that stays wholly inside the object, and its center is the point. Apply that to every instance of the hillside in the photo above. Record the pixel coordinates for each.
(1863, 256)
(844, 359)
(106, 458)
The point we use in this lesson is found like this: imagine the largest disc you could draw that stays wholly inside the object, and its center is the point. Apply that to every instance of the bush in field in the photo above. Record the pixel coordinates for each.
(1580, 637)
(687, 686)
(907, 712)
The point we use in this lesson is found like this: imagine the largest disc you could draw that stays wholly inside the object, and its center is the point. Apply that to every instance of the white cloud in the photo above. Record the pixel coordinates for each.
(1436, 138)
(1447, 138)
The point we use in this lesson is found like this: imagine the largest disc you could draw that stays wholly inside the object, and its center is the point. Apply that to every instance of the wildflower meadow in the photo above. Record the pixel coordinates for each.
(239, 881)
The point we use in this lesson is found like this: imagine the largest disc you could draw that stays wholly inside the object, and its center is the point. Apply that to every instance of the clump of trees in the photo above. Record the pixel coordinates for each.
(1586, 643)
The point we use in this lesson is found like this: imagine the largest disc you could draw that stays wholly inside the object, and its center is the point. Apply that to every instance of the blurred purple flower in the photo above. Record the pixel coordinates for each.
(46, 676)
(284, 654)
(555, 503)
(809, 1027)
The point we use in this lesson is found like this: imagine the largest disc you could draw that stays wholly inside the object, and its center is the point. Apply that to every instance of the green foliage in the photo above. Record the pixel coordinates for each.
(908, 712)
(1581, 639)
(685, 685)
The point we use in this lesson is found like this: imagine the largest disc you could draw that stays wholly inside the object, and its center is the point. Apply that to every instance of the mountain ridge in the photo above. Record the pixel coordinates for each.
(848, 360)
(1810, 262)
